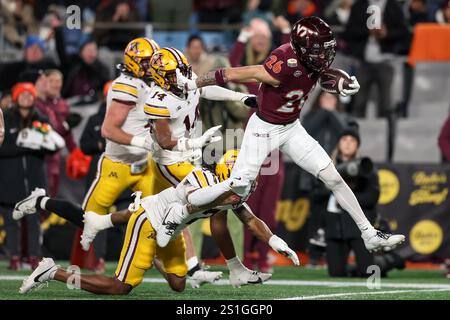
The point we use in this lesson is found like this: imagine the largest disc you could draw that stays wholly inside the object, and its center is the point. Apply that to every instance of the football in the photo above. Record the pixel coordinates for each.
(334, 81)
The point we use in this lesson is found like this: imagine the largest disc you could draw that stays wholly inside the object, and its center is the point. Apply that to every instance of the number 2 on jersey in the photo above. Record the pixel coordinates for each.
(296, 101)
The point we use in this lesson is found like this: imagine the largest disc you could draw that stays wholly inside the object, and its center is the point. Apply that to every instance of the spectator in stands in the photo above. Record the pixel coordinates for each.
(298, 9)
(197, 56)
(50, 104)
(255, 43)
(116, 12)
(443, 14)
(5, 100)
(84, 74)
(444, 141)
(34, 60)
(18, 21)
(258, 9)
(374, 47)
(21, 170)
(218, 11)
(417, 12)
(341, 233)
(338, 12)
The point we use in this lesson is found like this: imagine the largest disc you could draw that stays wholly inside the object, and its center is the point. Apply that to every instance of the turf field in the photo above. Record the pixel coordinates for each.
(287, 283)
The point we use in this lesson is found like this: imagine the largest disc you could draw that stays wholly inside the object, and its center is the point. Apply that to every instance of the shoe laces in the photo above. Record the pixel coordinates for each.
(382, 235)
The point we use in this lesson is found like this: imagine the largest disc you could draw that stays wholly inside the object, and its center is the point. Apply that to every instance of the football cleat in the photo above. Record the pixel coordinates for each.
(174, 216)
(40, 276)
(247, 277)
(201, 277)
(27, 205)
(90, 229)
(378, 241)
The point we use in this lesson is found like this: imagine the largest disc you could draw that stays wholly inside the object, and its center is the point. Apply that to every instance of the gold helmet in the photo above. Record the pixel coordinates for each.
(226, 164)
(163, 67)
(137, 56)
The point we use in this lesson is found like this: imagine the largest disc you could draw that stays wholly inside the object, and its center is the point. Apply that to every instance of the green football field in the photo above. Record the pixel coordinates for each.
(287, 283)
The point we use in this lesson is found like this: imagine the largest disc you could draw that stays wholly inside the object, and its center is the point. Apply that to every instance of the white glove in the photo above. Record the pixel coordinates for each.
(280, 246)
(184, 83)
(354, 88)
(30, 138)
(142, 142)
(185, 144)
(53, 137)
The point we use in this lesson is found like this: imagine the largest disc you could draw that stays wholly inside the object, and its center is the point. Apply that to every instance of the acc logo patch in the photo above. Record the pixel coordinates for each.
(292, 63)
(426, 237)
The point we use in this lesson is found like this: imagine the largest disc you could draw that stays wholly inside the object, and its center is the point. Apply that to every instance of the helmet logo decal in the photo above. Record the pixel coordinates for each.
(134, 47)
(302, 31)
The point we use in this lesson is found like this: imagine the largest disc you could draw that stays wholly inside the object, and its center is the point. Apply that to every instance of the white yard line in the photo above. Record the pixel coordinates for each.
(335, 295)
(335, 284)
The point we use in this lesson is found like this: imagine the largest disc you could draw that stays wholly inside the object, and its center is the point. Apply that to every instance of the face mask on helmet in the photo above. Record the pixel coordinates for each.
(319, 59)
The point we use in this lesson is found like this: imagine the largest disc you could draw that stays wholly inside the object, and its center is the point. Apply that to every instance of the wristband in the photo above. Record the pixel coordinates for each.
(219, 75)
(138, 141)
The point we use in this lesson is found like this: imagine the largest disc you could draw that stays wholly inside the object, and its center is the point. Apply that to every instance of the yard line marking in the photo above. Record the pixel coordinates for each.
(313, 283)
(334, 295)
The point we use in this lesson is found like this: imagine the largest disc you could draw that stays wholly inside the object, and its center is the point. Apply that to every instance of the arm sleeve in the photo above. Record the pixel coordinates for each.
(221, 94)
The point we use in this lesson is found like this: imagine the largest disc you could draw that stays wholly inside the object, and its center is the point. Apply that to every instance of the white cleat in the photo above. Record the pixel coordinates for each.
(173, 218)
(27, 205)
(382, 241)
(90, 229)
(201, 277)
(247, 277)
(40, 276)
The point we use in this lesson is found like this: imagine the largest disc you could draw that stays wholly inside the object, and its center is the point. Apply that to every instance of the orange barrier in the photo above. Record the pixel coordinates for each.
(431, 42)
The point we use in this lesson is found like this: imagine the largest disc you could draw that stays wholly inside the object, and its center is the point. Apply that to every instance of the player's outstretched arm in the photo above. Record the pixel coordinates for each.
(256, 73)
(217, 93)
(262, 232)
(112, 130)
(2, 127)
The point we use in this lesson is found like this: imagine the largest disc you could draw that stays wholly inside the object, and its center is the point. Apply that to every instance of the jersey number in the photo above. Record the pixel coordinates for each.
(187, 120)
(296, 101)
(273, 65)
(160, 96)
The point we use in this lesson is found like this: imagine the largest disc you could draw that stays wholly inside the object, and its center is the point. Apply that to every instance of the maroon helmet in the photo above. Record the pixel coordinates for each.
(314, 43)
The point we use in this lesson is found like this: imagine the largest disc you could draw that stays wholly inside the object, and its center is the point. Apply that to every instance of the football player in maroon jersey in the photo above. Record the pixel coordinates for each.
(287, 77)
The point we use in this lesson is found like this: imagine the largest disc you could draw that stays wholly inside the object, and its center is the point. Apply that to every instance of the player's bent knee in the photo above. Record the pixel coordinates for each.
(176, 283)
(120, 288)
(330, 177)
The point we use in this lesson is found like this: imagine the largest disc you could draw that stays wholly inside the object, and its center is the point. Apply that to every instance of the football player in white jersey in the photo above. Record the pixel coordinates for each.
(140, 246)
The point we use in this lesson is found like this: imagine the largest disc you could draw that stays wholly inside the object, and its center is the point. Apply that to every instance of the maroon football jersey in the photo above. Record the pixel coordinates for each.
(282, 104)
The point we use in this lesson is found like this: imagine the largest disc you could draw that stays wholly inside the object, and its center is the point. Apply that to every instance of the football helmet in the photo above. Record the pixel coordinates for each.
(313, 43)
(226, 164)
(163, 66)
(137, 55)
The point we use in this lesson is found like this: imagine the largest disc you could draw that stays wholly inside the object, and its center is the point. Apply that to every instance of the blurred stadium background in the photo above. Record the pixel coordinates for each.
(401, 116)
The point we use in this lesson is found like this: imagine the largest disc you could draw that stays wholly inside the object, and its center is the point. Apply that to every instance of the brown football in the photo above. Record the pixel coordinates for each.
(334, 80)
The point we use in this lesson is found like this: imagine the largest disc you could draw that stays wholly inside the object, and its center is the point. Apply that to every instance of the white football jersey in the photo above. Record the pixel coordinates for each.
(182, 114)
(133, 90)
(155, 206)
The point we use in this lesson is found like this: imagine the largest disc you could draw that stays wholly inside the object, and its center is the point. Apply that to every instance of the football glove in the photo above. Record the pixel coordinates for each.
(208, 137)
(354, 88)
(280, 246)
